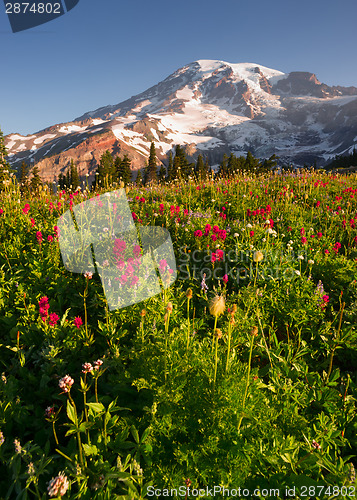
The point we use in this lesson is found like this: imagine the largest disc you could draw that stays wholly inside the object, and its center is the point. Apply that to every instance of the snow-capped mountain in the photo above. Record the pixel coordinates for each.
(211, 107)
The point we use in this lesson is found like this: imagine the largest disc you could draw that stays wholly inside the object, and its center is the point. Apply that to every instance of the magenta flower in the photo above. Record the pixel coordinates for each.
(303, 240)
(53, 319)
(26, 209)
(198, 233)
(302, 231)
(66, 383)
(39, 236)
(1, 211)
(326, 298)
(50, 238)
(78, 322)
(43, 302)
(137, 250)
(33, 223)
(225, 278)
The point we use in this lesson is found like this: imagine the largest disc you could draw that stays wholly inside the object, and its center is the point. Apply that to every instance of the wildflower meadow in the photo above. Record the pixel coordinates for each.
(237, 380)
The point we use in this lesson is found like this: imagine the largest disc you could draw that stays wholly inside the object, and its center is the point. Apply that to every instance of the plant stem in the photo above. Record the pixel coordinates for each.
(215, 364)
(229, 343)
(337, 340)
(79, 441)
(188, 320)
(96, 389)
(85, 310)
(54, 433)
(247, 383)
(214, 329)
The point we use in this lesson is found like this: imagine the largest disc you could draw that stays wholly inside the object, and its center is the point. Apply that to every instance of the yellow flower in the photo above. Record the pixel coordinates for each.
(258, 256)
(217, 305)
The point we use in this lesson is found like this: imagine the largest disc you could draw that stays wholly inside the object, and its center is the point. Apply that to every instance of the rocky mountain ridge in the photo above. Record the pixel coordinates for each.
(211, 107)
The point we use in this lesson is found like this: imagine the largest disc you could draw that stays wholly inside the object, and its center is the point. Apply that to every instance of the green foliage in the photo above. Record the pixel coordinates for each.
(263, 395)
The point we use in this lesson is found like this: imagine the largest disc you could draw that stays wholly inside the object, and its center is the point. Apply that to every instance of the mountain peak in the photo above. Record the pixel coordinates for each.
(210, 107)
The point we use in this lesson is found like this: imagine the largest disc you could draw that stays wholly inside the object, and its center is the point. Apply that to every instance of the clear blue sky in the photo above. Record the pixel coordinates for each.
(104, 51)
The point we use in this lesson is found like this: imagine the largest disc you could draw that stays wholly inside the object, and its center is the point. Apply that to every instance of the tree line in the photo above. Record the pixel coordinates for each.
(118, 170)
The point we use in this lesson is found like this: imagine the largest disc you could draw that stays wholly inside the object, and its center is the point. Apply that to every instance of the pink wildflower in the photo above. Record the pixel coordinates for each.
(78, 322)
(26, 209)
(58, 486)
(98, 364)
(39, 237)
(87, 367)
(66, 383)
(53, 319)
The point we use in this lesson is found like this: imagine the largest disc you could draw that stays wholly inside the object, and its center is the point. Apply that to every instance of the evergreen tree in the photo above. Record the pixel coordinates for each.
(126, 170)
(24, 178)
(176, 169)
(268, 164)
(186, 168)
(118, 169)
(200, 169)
(223, 167)
(151, 174)
(36, 181)
(74, 177)
(170, 167)
(61, 180)
(68, 179)
(207, 169)
(5, 169)
(251, 163)
(139, 178)
(106, 171)
(162, 174)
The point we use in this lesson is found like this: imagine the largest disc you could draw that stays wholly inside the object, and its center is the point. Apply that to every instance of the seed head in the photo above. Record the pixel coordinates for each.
(258, 256)
(189, 293)
(169, 307)
(143, 313)
(217, 305)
